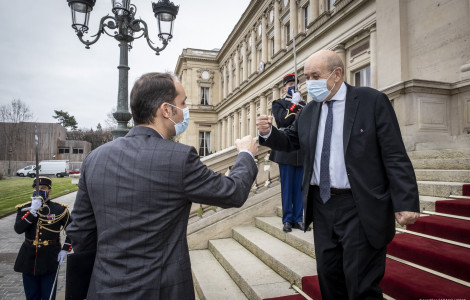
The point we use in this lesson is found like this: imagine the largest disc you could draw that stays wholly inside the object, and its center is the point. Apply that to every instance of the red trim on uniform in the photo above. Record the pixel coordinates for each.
(70, 248)
(25, 215)
(292, 107)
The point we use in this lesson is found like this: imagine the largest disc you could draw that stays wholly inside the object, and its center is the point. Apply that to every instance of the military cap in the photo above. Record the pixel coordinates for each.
(288, 78)
(43, 181)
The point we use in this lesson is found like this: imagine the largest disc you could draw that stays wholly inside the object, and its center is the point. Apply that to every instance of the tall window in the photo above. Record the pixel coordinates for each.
(362, 77)
(204, 143)
(330, 4)
(306, 16)
(204, 95)
(287, 27)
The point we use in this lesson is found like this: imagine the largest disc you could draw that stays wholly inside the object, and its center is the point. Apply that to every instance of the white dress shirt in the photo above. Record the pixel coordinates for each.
(338, 174)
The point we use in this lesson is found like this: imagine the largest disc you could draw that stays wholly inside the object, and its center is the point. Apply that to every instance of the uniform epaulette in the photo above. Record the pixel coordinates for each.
(21, 205)
(65, 205)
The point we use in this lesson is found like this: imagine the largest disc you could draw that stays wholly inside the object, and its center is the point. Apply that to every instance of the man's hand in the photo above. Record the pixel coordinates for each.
(406, 217)
(264, 123)
(296, 98)
(36, 204)
(247, 143)
(62, 255)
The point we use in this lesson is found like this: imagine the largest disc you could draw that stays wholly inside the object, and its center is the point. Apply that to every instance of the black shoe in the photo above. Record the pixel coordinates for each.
(287, 227)
(300, 225)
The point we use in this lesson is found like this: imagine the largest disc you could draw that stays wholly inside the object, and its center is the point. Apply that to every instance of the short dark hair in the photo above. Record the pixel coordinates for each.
(150, 91)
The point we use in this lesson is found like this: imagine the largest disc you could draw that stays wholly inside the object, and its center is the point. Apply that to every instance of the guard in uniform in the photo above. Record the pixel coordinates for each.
(285, 112)
(41, 252)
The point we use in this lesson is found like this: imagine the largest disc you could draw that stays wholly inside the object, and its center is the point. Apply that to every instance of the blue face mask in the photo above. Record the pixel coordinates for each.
(318, 89)
(291, 90)
(181, 127)
(43, 194)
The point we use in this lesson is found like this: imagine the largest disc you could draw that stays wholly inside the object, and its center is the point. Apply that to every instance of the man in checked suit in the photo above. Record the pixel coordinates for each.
(357, 177)
(135, 195)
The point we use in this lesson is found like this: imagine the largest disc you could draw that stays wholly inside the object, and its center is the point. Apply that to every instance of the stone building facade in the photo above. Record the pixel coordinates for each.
(415, 51)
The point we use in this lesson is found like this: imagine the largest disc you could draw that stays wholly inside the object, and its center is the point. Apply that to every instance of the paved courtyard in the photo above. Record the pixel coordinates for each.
(11, 284)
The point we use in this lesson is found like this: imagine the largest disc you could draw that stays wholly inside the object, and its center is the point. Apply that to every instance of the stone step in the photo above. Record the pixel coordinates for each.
(442, 175)
(442, 163)
(255, 279)
(440, 188)
(287, 261)
(441, 153)
(302, 241)
(211, 281)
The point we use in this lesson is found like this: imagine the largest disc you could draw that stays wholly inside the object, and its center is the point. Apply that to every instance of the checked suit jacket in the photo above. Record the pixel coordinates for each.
(380, 174)
(132, 206)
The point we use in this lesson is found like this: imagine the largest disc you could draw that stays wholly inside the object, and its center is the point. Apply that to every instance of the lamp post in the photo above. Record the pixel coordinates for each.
(9, 162)
(125, 26)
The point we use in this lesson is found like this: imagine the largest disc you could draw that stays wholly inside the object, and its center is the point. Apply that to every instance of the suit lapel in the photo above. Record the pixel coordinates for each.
(349, 114)
(313, 130)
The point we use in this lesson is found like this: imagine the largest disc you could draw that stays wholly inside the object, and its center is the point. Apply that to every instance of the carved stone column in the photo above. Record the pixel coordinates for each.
(236, 125)
(224, 133)
(264, 39)
(263, 105)
(224, 74)
(245, 61)
(373, 57)
(277, 28)
(276, 93)
(244, 121)
(293, 18)
(229, 130)
(237, 69)
(313, 6)
(253, 130)
(219, 136)
(253, 51)
(221, 85)
(230, 75)
(339, 49)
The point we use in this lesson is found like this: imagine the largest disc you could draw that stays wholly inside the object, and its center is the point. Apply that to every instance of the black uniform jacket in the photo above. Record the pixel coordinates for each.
(38, 253)
(285, 112)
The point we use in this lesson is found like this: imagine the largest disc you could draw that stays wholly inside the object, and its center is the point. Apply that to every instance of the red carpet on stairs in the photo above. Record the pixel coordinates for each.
(404, 282)
(460, 207)
(443, 227)
(442, 257)
(311, 287)
(466, 190)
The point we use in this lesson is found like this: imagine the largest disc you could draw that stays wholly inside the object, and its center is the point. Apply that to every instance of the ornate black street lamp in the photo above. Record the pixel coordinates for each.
(124, 26)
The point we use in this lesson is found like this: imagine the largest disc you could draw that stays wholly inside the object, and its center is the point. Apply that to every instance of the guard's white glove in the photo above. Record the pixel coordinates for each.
(296, 98)
(36, 204)
(62, 255)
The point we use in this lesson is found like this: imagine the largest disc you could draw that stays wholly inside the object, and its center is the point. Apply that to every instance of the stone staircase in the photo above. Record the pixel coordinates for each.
(441, 173)
(257, 260)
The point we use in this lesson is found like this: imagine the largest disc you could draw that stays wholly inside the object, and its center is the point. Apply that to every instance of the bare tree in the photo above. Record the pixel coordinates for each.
(12, 114)
(15, 112)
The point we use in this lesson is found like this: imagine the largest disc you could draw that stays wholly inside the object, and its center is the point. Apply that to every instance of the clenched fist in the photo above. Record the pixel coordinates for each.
(247, 143)
(264, 123)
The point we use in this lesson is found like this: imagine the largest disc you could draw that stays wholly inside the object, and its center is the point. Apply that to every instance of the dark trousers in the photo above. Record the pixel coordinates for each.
(38, 287)
(291, 192)
(348, 266)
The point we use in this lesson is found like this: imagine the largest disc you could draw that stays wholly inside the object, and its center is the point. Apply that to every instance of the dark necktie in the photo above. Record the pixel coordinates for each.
(325, 155)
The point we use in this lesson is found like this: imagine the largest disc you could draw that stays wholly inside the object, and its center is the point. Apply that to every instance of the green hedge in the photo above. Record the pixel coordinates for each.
(14, 191)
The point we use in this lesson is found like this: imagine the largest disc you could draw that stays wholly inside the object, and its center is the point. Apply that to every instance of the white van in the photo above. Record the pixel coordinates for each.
(26, 171)
(59, 168)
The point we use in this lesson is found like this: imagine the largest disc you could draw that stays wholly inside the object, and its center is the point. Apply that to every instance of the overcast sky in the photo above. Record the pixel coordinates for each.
(45, 65)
